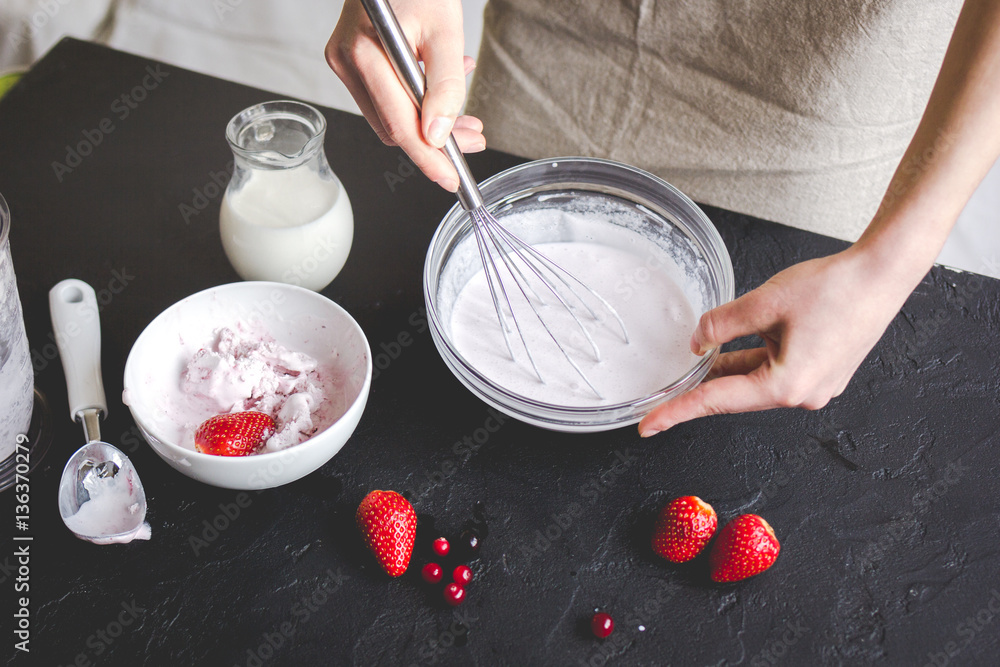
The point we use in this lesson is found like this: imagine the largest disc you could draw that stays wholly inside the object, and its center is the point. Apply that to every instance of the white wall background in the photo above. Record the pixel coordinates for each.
(278, 46)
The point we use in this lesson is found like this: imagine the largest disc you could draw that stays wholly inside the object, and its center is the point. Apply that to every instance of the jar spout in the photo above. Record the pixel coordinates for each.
(278, 134)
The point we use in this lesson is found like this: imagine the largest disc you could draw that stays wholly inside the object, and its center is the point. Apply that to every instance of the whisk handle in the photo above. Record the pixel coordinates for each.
(468, 190)
(408, 70)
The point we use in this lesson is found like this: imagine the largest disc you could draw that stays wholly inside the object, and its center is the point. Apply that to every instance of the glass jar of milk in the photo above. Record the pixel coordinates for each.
(285, 216)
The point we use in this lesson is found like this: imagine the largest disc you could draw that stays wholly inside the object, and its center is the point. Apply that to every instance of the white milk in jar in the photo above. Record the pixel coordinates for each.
(285, 215)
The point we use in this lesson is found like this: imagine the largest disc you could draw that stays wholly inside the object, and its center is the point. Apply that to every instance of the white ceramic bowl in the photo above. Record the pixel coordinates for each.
(642, 204)
(299, 319)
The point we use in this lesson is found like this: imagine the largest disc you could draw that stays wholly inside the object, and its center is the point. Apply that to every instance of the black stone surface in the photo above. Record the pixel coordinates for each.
(887, 502)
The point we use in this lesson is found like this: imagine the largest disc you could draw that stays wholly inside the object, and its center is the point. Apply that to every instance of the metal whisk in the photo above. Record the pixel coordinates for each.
(493, 239)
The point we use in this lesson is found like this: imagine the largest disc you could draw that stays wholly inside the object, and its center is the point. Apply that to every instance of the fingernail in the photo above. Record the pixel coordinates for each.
(449, 184)
(475, 148)
(648, 433)
(439, 130)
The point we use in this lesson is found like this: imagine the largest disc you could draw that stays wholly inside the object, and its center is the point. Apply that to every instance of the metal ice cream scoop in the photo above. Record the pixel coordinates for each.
(100, 496)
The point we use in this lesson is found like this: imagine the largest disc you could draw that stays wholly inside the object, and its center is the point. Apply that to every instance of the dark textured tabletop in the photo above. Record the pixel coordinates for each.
(886, 502)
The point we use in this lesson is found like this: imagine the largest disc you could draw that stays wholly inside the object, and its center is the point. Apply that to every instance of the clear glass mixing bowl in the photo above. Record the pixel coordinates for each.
(638, 202)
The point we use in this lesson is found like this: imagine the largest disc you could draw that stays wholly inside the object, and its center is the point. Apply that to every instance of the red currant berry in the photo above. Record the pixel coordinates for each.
(463, 575)
(431, 573)
(601, 625)
(454, 594)
(441, 546)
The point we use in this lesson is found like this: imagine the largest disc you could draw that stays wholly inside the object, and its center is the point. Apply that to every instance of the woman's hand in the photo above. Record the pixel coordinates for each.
(434, 28)
(819, 320)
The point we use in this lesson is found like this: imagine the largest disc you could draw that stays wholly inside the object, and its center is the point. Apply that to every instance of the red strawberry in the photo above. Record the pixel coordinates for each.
(389, 525)
(683, 528)
(746, 546)
(236, 434)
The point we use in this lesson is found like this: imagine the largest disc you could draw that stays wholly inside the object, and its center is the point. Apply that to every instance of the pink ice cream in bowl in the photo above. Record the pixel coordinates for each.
(261, 347)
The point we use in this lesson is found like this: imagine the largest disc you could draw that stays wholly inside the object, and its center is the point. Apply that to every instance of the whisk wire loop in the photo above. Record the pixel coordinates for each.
(561, 273)
(487, 225)
(494, 229)
(488, 264)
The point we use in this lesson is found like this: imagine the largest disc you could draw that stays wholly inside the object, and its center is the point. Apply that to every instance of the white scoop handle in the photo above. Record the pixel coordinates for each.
(76, 325)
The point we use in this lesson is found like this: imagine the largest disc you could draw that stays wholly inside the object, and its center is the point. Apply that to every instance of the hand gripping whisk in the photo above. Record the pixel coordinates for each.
(495, 242)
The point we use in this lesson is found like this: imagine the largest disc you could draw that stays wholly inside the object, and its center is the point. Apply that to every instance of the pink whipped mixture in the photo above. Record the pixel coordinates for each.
(241, 370)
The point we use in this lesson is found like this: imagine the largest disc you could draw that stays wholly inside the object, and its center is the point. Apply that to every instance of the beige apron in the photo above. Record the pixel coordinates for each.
(796, 111)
